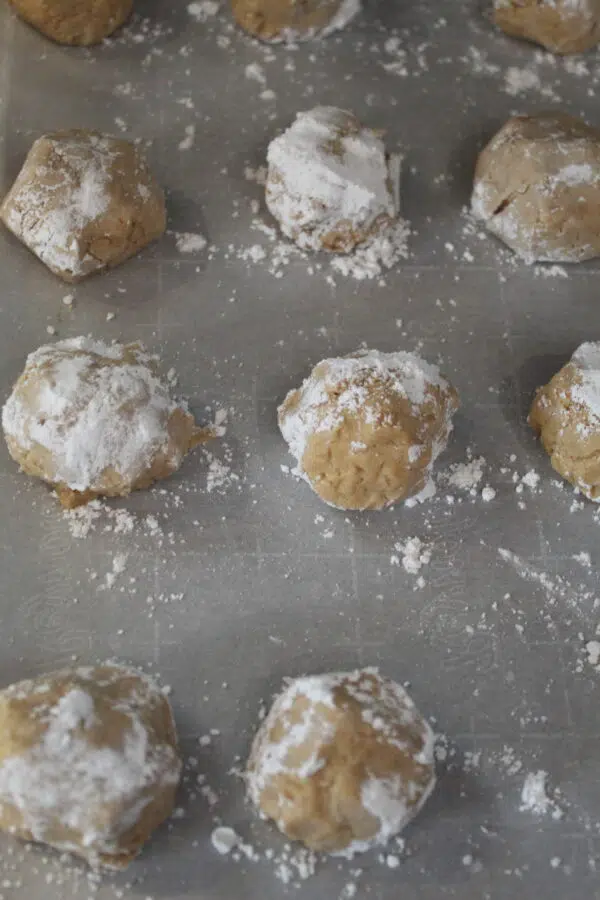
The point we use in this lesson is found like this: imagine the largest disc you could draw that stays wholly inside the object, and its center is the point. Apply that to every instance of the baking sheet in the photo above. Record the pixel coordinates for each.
(256, 579)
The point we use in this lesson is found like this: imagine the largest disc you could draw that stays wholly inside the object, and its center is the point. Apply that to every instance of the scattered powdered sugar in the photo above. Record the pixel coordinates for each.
(467, 476)
(224, 839)
(189, 242)
(76, 414)
(202, 10)
(415, 555)
(535, 798)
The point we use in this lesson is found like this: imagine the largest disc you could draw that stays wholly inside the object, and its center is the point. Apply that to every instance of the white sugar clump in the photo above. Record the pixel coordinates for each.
(330, 183)
(92, 407)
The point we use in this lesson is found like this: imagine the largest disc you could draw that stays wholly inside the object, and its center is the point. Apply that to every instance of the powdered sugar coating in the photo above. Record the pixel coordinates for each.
(347, 11)
(329, 183)
(92, 407)
(90, 772)
(385, 707)
(586, 391)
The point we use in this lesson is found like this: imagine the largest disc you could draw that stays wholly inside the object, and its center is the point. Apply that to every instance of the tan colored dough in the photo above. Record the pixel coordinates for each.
(93, 419)
(366, 429)
(84, 202)
(566, 416)
(88, 762)
(537, 188)
(342, 761)
(561, 26)
(80, 22)
(280, 20)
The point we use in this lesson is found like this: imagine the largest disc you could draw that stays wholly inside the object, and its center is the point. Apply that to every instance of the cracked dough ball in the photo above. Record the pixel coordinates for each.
(561, 26)
(88, 762)
(566, 416)
(537, 188)
(81, 22)
(293, 20)
(84, 202)
(94, 419)
(342, 762)
(366, 429)
(330, 184)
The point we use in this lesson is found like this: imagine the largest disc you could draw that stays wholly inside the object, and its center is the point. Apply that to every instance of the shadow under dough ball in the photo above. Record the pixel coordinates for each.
(537, 188)
(342, 762)
(293, 20)
(89, 762)
(566, 415)
(84, 202)
(561, 26)
(77, 22)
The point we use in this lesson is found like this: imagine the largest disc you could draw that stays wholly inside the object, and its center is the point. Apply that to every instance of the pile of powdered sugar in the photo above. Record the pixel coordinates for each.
(75, 412)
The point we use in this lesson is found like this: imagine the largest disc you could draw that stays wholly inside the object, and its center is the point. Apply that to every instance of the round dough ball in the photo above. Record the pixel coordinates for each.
(88, 762)
(94, 419)
(561, 26)
(330, 184)
(566, 416)
(293, 20)
(366, 429)
(537, 188)
(83, 202)
(81, 22)
(342, 762)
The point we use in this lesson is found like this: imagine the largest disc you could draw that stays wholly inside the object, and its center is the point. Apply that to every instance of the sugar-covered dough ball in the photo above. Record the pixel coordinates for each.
(330, 183)
(94, 419)
(537, 188)
(88, 762)
(290, 20)
(84, 202)
(342, 762)
(566, 416)
(366, 429)
(81, 22)
(561, 26)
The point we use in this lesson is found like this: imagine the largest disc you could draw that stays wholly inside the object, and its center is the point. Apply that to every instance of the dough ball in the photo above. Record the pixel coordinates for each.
(561, 26)
(293, 20)
(366, 429)
(566, 415)
(81, 22)
(88, 762)
(342, 762)
(330, 184)
(537, 188)
(83, 202)
(94, 419)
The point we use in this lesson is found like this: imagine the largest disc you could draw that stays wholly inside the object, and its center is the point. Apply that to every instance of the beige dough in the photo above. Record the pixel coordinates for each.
(83, 202)
(561, 26)
(342, 762)
(293, 20)
(366, 429)
(330, 183)
(81, 22)
(537, 187)
(88, 762)
(94, 419)
(566, 415)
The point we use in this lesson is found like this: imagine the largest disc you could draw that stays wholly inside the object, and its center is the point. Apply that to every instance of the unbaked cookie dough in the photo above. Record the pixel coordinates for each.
(561, 26)
(83, 202)
(537, 188)
(94, 419)
(366, 429)
(81, 22)
(342, 762)
(293, 20)
(330, 184)
(88, 762)
(566, 416)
